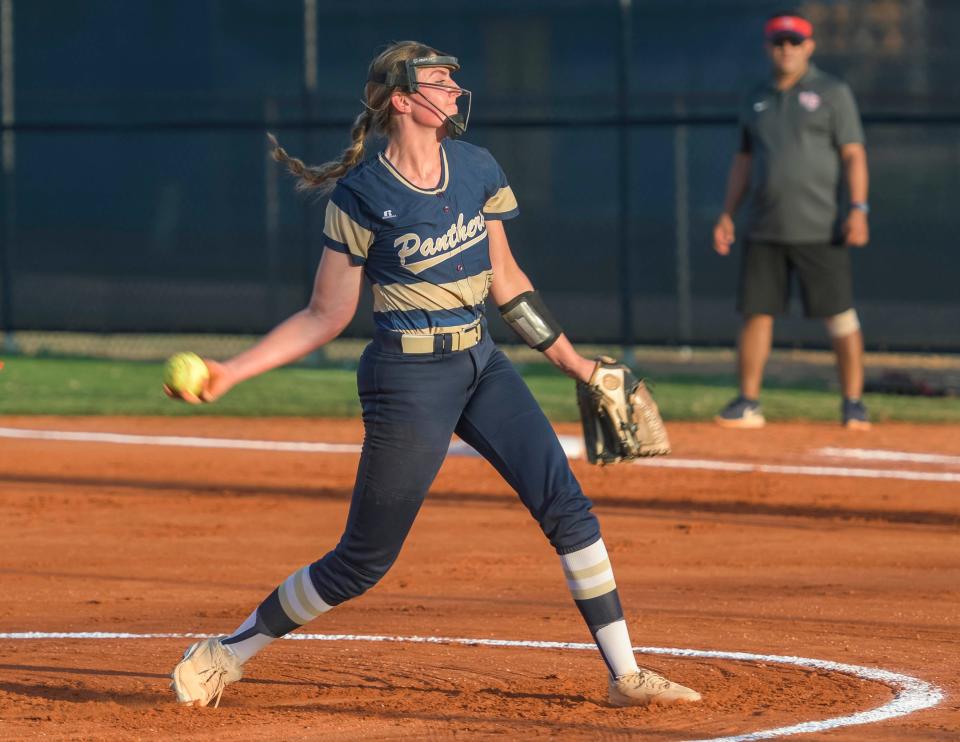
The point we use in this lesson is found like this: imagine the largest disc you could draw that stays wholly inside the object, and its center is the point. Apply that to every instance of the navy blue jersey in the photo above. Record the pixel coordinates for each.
(424, 251)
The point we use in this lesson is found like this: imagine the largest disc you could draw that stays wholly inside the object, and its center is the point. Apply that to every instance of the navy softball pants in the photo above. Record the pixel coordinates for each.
(412, 404)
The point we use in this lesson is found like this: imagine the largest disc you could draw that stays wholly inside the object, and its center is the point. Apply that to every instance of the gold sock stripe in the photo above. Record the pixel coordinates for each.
(295, 600)
(592, 581)
(593, 592)
(581, 574)
(588, 572)
(308, 595)
(289, 603)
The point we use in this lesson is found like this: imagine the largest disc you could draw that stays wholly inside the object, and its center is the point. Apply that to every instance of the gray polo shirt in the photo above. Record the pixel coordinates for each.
(795, 137)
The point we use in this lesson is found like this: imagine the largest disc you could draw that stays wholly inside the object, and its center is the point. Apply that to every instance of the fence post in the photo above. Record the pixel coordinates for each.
(308, 94)
(681, 204)
(271, 218)
(623, 200)
(9, 167)
(307, 107)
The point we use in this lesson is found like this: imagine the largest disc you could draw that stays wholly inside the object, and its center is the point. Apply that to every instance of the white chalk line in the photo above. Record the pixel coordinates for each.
(879, 454)
(572, 445)
(813, 471)
(178, 440)
(912, 694)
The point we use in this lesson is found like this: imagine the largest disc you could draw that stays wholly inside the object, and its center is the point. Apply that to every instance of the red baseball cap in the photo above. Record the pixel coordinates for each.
(788, 26)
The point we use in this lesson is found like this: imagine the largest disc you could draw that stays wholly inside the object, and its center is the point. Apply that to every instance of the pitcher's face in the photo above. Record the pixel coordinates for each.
(438, 87)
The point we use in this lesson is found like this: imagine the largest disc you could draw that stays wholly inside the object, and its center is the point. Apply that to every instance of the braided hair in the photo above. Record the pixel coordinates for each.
(375, 118)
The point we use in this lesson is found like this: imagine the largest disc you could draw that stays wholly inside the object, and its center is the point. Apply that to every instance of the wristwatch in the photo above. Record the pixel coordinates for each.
(860, 206)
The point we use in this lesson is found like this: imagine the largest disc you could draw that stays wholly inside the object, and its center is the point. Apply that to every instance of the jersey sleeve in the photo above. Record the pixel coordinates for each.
(501, 203)
(847, 128)
(345, 228)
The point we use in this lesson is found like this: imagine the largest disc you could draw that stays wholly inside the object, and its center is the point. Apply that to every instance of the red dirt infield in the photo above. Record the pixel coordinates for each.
(98, 537)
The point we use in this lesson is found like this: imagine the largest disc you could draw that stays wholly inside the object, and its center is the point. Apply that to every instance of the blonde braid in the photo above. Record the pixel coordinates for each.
(324, 177)
(375, 118)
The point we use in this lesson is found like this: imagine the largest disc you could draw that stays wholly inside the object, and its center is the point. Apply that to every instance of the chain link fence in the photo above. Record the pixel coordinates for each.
(138, 197)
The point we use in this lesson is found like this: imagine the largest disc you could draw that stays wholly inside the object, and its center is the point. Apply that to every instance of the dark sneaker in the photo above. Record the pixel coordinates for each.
(854, 414)
(741, 413)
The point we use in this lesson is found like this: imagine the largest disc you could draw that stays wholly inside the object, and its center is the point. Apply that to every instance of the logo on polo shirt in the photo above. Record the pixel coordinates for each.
(388, 214)
(809, 100)
(760, 105)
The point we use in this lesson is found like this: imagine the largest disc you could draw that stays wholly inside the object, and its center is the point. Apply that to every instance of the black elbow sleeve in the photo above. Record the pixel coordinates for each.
(528, 316)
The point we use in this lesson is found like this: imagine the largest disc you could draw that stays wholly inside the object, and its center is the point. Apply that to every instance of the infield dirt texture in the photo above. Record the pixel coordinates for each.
(98, 537)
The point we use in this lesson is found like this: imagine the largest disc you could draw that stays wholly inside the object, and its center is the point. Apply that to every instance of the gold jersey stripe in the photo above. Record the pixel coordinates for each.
(581, 574)
(402, 297)
(594, 592)
(396, 174)
(340, 227)
(501, 202)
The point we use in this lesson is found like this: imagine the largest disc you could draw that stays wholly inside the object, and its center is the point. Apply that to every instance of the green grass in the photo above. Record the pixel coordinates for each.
(54, 386)
(50, 386)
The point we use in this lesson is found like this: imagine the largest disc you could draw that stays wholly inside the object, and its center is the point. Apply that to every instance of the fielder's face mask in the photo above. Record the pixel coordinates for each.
(406, 79)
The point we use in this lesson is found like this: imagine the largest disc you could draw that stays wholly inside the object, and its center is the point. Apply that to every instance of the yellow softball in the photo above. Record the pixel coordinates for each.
(185, 372)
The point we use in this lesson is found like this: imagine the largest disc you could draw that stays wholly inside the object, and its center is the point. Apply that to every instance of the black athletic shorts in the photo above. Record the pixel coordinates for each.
(826, 285)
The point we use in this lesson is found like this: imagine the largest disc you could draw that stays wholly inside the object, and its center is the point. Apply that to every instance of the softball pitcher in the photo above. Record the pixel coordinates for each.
(423, 221)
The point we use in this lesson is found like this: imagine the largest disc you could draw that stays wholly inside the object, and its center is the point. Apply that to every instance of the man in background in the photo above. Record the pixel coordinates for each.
(801, 142)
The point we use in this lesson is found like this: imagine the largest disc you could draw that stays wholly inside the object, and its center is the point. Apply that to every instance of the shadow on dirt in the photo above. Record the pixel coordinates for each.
(635, 504)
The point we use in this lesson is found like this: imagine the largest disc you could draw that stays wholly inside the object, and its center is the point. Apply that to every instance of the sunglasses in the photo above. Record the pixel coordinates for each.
(784, 40)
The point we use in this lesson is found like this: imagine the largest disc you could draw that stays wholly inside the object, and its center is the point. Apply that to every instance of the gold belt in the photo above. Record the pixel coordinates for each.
(459, 340)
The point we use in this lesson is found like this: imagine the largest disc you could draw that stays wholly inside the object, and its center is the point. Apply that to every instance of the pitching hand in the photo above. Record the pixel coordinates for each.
(219, 381)
(723, 234)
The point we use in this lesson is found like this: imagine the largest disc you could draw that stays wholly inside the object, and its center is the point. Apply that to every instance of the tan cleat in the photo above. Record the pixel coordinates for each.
(644, 687)
(206, 668)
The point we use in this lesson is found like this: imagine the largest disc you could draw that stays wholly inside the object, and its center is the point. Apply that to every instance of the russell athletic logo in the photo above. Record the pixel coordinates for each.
(434, 250)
